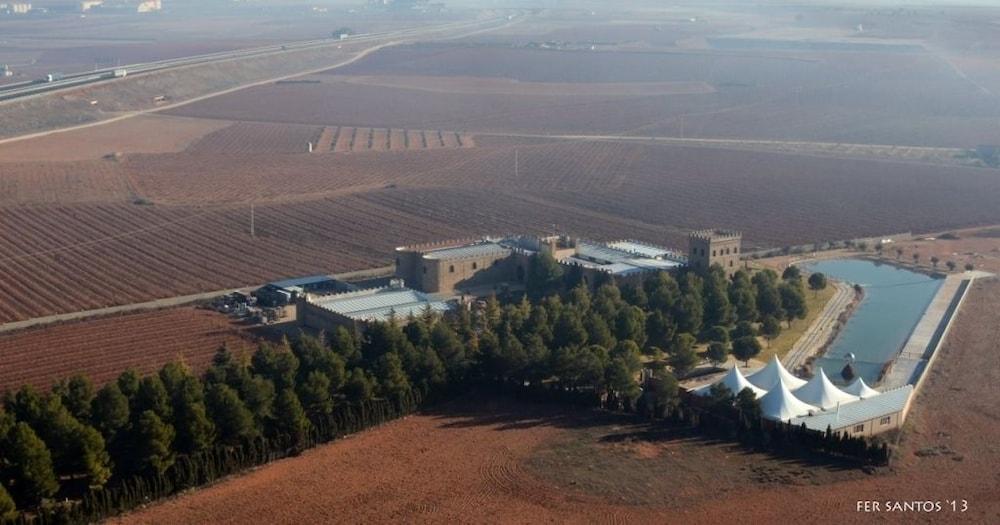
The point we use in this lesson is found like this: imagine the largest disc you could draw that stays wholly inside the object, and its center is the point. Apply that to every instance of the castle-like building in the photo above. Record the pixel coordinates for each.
(479, 265)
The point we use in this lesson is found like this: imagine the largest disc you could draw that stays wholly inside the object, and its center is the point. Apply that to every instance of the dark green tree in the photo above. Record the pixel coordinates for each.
(770, 328)
(345, 344)
(154, 440)
(314, 393)
(291, 418)
(746, 348)
(768, 297)
(569, 330)
(791, 273)
(109, 411)
(598, 331)
(817, 282)
(717, 353)
(660, 330)
(742, 295)
(718, 310)
(660, 394)
(748, 404)
(360, 387)
(8, 511)
(76, 394)
(128, 383)
(233, 420)
(688, 313)
(393, 382)
(152, 395)
(544, 275)
(630, 324)
(279, 364)
(29, 465)
(793, 301)
(682, 355)
(662, 292)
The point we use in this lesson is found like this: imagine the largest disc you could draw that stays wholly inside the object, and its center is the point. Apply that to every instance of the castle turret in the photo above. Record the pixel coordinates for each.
(708, 247)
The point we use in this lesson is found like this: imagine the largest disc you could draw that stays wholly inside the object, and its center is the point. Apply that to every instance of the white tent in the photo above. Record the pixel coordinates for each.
(733, 380)
(860, 389)
(780, 404)
(769, 376)
(821, 392)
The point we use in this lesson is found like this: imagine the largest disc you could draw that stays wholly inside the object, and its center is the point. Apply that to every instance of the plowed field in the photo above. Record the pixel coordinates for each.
(103, 348)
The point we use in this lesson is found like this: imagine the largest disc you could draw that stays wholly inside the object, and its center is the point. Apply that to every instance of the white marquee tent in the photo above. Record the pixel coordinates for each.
(819, 391)
(779, 403)
(769, 376)
(733, 380)
(860, 389)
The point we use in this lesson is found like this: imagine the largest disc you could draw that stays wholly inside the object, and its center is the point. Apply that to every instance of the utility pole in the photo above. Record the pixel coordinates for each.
(516, 168)
(253, 234)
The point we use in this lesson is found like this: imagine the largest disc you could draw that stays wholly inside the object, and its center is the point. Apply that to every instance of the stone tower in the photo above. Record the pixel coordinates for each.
(708, 247)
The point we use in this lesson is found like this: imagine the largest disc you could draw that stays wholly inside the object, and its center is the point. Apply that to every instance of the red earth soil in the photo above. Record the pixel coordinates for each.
(472, 461)
(327, 212)
(103, 348)
(876, 97)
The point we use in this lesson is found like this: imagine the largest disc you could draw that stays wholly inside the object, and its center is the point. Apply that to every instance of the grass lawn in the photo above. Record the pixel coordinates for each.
(784, 342)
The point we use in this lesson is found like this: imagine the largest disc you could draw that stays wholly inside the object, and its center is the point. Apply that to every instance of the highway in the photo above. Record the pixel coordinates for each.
(22, 90)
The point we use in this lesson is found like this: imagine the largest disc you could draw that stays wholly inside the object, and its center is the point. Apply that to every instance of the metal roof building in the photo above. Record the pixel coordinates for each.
(379, 304)
(864, 416)
(472, 250)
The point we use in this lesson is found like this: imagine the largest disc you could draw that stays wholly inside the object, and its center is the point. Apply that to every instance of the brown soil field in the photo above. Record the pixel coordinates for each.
(47, 183)
(494, 86)
(248, 138)
(978, 246)
(143, 134)
(103, 348)
(481, 460)
(873, 98)
(84, 239)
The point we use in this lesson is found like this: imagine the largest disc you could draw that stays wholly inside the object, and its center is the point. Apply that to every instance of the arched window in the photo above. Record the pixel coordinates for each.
(713, 253)
(475, 266)
(451, 269)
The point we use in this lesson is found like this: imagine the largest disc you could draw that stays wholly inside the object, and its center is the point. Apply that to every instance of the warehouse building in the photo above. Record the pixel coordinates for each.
(356, 309)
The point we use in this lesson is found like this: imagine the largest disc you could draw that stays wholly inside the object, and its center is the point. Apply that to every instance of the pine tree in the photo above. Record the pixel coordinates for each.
(109, 410)
(195, 430)
(393, 382)
(8, 511)
(291, 418)
(128, 383)
(153, 443)
(234, 421)
(630, 324)
(314, 393)
(76, 394)
(359, 387)
(30, 465)
(152, 395)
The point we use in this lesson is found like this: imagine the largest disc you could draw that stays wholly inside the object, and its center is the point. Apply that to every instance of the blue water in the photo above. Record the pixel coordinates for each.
(895, 300)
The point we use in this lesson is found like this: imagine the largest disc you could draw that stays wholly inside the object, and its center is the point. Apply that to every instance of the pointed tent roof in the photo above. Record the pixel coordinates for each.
(781, 405)
(769, 376)
(733, 380)
(860, 389)
(821, 392)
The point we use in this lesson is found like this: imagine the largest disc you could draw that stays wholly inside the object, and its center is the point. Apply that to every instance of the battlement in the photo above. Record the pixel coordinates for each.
(716, 235)
(439, 245)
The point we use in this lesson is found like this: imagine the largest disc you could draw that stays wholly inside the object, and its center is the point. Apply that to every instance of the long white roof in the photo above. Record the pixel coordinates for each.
(819, 391)
(876, 407)
(769, 376)
(734, 381)
(860, 389)
(779, 404)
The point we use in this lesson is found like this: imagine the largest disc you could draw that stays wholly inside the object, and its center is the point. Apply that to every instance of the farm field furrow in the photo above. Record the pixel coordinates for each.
(103, 348)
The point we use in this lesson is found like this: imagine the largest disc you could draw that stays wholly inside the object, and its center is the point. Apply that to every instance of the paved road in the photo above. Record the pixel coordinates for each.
(822, 328)
(473, 29)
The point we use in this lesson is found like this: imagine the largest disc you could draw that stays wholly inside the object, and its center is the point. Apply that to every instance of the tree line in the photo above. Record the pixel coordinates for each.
(144, 435)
